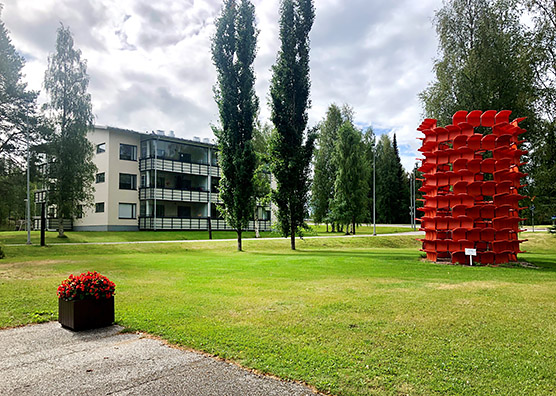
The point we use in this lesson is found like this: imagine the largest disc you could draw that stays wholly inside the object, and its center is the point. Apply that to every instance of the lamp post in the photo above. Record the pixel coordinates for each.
(28, 209)
(374, 192)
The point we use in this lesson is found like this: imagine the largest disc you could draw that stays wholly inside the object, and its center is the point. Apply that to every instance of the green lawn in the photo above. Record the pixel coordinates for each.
(351, 316)
(14, 237)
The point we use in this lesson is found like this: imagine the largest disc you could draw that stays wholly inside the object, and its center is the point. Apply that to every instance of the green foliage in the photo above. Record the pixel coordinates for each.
(401, 188)
(544, 56)
(71, 167)
(322, 190)
(13, 186)
(369, 147)
(262, 178)
(542, 166)
(233, 53)
(291, 147)
(351, 184)
(483, 61)
(392, 189)
(17, 105)
(2, 254)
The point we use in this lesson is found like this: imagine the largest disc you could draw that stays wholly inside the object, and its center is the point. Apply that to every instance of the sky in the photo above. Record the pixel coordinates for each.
(150, 66)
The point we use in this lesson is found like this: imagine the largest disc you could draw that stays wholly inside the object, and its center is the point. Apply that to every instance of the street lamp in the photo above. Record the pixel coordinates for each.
(374, 192)
(28, 211)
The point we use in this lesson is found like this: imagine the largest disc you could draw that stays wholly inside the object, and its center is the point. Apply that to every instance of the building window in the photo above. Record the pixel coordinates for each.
(127, 211)
(101, 148)
(100, 177)
(128, 152)
(128, 181)
(99, 207)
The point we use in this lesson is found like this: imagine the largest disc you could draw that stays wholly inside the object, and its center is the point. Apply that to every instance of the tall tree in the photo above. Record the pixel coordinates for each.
(262, 177)
(233, 53)
(483, 61)
(542, 166)
(322, 190)
(369, 152)
(544, 55)
(401, 187)
(292, 147)
(387, 200)
(17, 104)
(351, 186)
(71, 167)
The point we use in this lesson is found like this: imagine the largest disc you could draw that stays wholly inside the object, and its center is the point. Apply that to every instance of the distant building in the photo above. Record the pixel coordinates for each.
(152, 182)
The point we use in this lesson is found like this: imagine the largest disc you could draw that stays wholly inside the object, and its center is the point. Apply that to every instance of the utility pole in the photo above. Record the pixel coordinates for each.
(374, 191)
(155, 176)
(28, 215)
(533, 216)
(414, 202)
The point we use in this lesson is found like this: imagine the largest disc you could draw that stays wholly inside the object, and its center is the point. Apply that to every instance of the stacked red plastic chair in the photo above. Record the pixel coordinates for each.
(471, 182)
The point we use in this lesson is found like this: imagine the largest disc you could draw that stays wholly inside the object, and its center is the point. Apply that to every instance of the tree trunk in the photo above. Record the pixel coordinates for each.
(333, 227)
(256, 222)
(238, 240)
(293, 237)
(353, 226)
(326, 227)
(61, 227)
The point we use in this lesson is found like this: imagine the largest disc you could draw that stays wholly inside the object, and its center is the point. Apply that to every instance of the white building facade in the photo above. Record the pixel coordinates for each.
(154, 182)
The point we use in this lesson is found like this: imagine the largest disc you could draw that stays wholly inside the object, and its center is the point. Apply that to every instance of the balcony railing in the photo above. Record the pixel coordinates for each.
(167, 194)
(178, 167)
(177, 223)
(40, 196)
(52, 224)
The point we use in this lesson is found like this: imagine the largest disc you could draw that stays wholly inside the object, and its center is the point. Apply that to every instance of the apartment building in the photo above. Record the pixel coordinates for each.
(154, 181)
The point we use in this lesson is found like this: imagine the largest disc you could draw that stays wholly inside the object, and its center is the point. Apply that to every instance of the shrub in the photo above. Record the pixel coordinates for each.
(87, 286)
(2, 255)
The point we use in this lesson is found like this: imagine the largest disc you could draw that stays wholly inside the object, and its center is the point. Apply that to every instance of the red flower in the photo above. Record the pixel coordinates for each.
(87, 285)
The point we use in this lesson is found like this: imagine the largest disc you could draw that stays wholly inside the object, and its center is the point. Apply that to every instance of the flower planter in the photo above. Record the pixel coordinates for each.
(86, 314)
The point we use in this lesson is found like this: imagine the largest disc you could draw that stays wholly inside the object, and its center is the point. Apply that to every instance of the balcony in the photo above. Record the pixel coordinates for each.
(177, 223)
(167, 194)
(167, 165)
(40, 196)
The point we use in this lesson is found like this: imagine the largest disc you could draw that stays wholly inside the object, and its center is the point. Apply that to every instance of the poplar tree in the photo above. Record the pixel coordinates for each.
(292, 147)
(233, 53)
(71, 168)
(351, 186)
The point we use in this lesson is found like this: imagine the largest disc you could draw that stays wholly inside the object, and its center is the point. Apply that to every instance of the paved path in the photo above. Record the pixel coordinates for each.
(225, 240)
(47, 359)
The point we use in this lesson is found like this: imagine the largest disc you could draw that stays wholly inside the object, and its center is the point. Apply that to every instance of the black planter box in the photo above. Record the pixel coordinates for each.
(86, 314)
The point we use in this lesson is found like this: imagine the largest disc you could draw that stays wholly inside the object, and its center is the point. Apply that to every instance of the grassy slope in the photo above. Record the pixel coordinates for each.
(355, 316)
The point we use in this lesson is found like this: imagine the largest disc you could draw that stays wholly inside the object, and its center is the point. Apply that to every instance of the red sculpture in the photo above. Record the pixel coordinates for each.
(471, 182)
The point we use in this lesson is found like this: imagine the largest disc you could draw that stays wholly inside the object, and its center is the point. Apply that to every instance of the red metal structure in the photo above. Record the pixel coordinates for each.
(470, 185)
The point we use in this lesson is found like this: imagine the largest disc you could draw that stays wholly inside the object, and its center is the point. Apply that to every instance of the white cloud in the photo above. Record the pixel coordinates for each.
(150, 65)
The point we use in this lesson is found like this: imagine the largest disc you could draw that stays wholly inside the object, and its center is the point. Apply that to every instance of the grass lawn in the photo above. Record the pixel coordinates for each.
(14, 237)
(353, 316)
